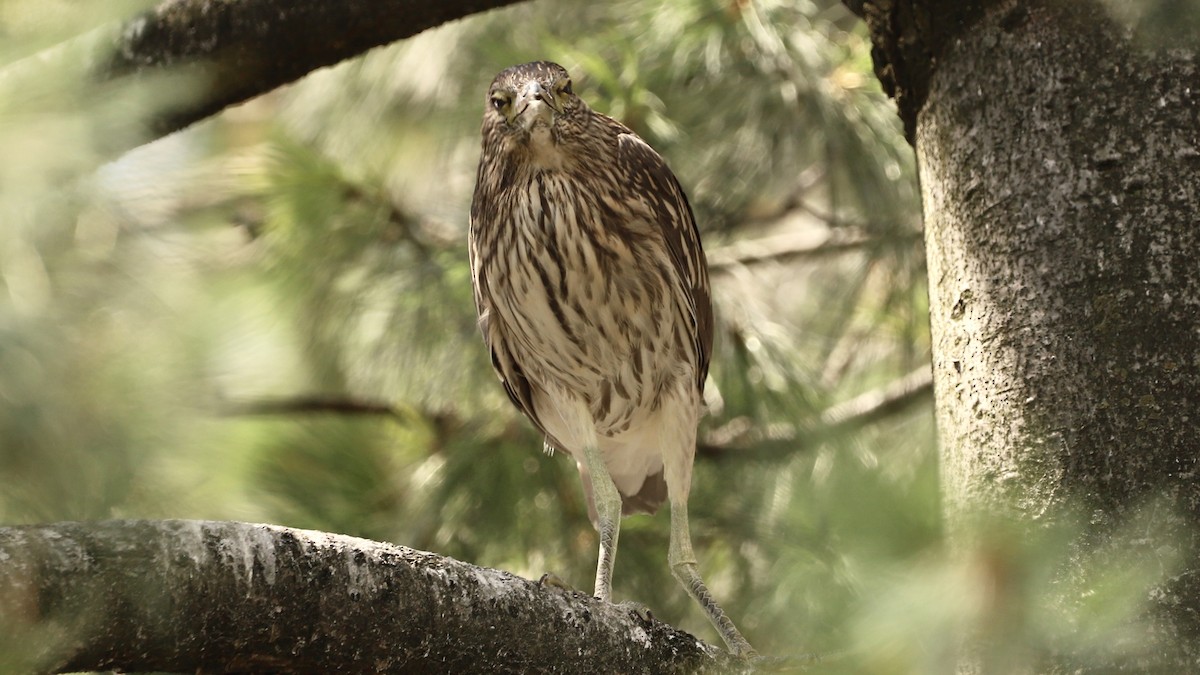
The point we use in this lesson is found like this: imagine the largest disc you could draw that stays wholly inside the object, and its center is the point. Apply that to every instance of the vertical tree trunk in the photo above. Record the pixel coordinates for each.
(1060, 169)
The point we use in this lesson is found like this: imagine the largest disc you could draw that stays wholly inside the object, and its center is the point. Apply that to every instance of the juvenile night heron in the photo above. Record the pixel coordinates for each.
(592, 292)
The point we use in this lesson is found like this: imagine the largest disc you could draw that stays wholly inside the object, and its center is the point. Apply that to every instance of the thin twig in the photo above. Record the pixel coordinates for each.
(742, 439)
(878, 403)
(788, 247)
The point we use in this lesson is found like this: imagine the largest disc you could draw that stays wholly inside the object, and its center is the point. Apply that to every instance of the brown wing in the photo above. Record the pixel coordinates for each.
(660, 191)
(484, 223)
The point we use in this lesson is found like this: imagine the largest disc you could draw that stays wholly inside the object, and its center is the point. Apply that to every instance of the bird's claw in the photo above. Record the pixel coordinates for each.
(784, 664)
(638, 611)
(554, 581)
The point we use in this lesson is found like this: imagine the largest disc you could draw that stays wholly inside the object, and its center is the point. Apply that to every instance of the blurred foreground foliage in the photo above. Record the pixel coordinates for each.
(268, 317)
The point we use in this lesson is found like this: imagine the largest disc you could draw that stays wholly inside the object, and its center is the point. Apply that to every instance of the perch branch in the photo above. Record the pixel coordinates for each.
(197, 596)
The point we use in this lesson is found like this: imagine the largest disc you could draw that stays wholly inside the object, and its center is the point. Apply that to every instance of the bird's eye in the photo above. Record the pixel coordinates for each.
(499, 101)
(565, 87)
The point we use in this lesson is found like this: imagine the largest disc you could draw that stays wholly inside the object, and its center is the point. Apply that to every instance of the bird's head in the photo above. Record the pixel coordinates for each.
(532, 108)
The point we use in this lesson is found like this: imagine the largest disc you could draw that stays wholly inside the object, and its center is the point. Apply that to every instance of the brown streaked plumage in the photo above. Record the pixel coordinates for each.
(593, 297)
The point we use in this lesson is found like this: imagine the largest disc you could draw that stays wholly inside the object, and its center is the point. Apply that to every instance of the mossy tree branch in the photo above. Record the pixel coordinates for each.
(198, 596)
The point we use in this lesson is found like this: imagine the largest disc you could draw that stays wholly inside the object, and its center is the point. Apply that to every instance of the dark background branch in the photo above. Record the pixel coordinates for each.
(231, 51)
(247, 48)
(302, 405)
(737, 438)
(190, 596)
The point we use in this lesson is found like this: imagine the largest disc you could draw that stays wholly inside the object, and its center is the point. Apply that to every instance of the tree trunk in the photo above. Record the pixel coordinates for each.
(191, 596)
(1060, 168)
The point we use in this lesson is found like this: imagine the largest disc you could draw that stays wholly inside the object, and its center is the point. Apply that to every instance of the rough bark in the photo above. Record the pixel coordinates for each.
(229, 51)
(193, 596)
(1060, 171)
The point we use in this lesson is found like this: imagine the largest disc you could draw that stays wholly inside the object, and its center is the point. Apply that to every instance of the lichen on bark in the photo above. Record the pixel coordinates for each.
(188, 596)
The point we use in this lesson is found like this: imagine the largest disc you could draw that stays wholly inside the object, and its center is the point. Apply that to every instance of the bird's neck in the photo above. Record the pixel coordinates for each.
(543, 151)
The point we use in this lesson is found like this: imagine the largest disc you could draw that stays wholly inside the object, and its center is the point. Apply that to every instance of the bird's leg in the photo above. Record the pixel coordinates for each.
(683, 565)
(679, 447)
(608, 514)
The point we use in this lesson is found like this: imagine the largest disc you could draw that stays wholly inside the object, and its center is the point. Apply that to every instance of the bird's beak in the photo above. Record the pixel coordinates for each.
(535, 104)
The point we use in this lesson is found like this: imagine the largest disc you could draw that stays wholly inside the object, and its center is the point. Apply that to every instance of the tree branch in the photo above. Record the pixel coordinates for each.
(234, 49)
(740, 438)
(737, 438)
(196, 596)
(874, 405)
(794, 246)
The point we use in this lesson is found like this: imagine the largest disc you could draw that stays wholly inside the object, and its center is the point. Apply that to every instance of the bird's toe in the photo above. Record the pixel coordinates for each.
(554, 581)
(637, 610)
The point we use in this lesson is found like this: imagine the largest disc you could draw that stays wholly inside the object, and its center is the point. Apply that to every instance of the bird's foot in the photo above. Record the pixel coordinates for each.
(554, 581)
(785, 664)
(637, 610)
(749, 654)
